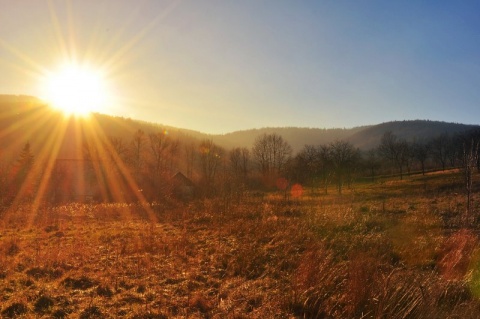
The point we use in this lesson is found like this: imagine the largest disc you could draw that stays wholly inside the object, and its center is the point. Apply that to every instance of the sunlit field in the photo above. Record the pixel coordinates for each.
(391, 249)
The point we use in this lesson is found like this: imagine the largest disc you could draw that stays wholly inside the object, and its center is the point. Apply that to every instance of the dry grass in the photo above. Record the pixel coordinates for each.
(391, 250)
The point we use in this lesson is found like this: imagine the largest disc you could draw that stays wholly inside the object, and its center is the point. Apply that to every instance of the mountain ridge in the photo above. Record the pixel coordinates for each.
(15, 110)
(363, 137)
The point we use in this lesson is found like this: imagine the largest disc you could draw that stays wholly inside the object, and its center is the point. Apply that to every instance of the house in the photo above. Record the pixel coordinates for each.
(182, 187)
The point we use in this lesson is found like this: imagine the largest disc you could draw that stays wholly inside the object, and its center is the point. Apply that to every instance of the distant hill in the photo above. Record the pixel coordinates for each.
(370, 136)
(364, 137)
(297, 137)
(28, 119)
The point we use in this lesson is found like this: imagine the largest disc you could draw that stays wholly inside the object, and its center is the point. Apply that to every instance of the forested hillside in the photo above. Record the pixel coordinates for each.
(28, 118)
(419, 130)
(140, 158)
(296, 136)
(364, 137)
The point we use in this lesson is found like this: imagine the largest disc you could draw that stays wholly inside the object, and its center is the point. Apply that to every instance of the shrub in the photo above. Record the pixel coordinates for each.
(200, 302)
(104, 291)
(43, 304)
(13, 249)
(91, 313)
(42, 272)
(82, 283)
(16, 309)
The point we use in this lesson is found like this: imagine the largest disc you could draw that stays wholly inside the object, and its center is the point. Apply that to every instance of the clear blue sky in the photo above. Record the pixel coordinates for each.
(220, 66)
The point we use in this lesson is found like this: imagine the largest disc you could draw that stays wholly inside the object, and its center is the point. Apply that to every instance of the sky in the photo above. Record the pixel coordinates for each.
(219, 66)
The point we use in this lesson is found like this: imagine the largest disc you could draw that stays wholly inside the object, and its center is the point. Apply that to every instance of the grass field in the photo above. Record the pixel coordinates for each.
(395, 249)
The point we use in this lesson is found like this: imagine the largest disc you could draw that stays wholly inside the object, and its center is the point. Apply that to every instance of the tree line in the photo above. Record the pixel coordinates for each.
(142, 167)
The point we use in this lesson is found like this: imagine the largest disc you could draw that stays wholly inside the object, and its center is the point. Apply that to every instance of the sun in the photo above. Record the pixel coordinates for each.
(76, 89)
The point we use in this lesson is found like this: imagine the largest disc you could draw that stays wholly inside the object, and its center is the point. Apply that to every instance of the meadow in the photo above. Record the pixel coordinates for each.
(389, 249)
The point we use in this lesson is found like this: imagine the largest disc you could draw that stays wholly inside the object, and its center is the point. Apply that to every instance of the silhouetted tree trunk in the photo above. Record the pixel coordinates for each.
(190, 154)
(138, 144)
(372, 163)
(325, 159)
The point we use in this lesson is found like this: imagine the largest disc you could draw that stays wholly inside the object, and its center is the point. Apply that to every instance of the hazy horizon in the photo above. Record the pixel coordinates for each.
(260, 128)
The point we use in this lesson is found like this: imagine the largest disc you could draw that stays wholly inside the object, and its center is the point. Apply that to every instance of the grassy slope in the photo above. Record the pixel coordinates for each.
(389, 250)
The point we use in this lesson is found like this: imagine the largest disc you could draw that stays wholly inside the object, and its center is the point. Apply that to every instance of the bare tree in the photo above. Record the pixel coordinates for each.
(325, 165)
(344, 158)
(159, 145)
(210, 156)
(190, 154)
(118, 146)
(372, 162)
(313, 166)
(395, 150)
(421, 152)
(306, 165)
(271, 153)
(138, 144)
(173, 151)
(455, 149)
(239, 163)
(439, 148)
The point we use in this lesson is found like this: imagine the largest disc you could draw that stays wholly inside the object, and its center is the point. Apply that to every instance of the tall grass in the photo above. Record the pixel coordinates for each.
(380, 251)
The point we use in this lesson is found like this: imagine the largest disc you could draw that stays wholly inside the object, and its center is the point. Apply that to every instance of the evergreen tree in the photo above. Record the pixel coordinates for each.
(26, 159)
(22, 169)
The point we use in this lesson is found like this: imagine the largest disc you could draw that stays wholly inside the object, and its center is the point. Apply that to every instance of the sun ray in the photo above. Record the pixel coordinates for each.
(48, 155)
(124, 171)
(95, 149)
(119, 55)
(36, 172)
(71, 28)
(78, 135)
(29, 126)
(57, 29)
(37, 68)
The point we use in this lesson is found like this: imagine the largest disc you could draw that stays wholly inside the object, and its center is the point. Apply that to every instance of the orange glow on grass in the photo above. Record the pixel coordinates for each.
(296, 191)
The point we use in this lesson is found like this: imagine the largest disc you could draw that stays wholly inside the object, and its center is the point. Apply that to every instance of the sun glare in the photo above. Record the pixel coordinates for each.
(76, 90)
